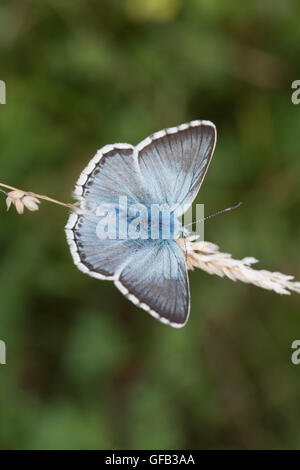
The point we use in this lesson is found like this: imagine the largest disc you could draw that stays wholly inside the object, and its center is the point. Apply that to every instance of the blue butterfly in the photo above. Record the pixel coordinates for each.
(167, 168)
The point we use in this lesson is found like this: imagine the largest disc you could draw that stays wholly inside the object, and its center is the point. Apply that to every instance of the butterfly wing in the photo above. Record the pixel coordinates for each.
(150, 273)
(100, 258)
(167, 167)
(156, 279)
(113, 172)
(174, 162)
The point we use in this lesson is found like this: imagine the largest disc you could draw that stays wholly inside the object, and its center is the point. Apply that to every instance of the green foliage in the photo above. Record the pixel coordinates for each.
(86, 368)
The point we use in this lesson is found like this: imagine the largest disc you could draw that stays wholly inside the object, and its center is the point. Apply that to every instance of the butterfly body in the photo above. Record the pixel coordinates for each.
(131, 200)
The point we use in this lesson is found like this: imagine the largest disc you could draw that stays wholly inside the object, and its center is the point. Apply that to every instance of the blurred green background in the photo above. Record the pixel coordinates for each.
(86, 368)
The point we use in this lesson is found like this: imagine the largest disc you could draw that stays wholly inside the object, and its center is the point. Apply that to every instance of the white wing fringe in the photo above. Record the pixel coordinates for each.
(206, 256)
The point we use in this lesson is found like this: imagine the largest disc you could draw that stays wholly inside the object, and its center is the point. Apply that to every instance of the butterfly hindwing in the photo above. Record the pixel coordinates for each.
(99, 258)
(156, 279)
(161, 287)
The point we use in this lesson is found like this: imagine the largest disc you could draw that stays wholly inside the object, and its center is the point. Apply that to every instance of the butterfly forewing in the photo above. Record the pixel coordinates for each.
(174, 162)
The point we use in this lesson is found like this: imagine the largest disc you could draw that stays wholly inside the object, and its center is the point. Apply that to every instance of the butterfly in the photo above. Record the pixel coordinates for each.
(166, 168)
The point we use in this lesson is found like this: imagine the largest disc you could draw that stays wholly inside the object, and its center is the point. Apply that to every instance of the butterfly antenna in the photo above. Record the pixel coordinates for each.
(216, 213)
